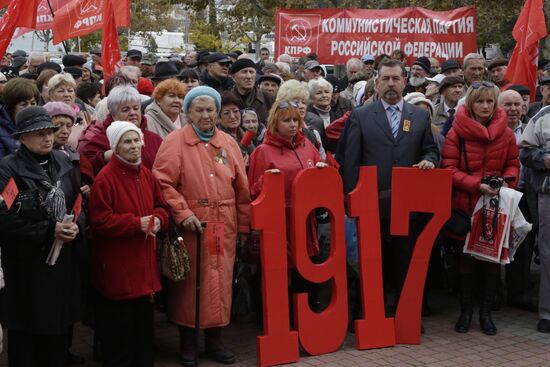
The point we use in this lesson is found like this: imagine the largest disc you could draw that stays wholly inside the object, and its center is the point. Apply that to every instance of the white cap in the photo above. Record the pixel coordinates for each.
(437, 79)
(117, 129)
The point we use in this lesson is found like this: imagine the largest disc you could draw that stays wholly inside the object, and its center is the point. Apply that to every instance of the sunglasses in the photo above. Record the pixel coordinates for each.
(283, 105)
(484, 84)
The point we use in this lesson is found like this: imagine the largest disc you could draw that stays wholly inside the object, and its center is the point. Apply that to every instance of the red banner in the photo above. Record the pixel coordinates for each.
(81, 17)
(337, 35)
(44, 17)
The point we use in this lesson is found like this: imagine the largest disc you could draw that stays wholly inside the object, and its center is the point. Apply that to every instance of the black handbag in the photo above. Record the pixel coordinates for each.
(460, 222)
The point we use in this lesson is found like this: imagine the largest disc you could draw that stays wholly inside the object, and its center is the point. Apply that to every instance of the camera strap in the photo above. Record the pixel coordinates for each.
(493, 204)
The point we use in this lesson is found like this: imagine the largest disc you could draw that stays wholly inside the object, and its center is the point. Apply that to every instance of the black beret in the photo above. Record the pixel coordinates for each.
(74, 71)
(73, 60)
(242, 64)
(49, 65)
(521, 89)
(134, 53)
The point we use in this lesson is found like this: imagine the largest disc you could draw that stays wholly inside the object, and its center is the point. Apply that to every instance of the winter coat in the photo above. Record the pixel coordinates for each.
(8, 144)
(290, 159)
(94, 143)
(226, 84)
(158, 122)
(277, 153)
(262, 103)
(490, 150)
(38, 298)
(535, 146)
(208, 180)
(124, 259)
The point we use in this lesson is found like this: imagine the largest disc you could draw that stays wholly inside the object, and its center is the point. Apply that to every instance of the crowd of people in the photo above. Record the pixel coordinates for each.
(104, 169)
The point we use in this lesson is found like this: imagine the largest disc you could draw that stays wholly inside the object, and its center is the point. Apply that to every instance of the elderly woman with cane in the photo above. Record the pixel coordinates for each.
(203, 178)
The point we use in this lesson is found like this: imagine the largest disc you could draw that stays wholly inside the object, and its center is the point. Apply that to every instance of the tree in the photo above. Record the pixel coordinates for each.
(45, 36)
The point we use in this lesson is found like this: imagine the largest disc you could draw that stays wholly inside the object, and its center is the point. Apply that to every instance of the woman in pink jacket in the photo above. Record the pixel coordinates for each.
(286, 150)
(203, 179)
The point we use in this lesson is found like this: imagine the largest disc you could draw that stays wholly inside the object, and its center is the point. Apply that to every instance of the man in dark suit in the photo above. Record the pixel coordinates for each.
(388, 133)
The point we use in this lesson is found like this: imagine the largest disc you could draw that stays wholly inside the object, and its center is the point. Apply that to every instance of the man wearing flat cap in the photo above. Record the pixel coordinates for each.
(243, 73)
(451, 68)
(535, 107)
(451, 90)
(270, 83)
(217, 72)
(497, 69)
(312, 70)
(133, 58)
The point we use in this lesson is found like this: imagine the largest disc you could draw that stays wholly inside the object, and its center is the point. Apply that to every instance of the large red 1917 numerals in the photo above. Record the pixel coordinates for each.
(413, 190)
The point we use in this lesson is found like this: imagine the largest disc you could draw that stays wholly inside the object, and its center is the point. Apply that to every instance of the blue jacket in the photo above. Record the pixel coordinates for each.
(8, 144)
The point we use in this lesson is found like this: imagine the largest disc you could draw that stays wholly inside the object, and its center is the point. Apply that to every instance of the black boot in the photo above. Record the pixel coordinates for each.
(489, 290)
(466, 304)
(188, 354)
(215, 347)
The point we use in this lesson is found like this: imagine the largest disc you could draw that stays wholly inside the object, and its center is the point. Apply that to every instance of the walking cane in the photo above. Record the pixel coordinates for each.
(198, 293)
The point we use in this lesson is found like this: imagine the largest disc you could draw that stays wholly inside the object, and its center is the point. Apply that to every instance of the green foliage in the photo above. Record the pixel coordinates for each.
(202, 35)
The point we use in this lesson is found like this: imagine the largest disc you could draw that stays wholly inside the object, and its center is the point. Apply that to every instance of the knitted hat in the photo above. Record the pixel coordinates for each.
(200, 92)
(424, 63)
(145, 86)
(60, 109)
(242, 64)
(33, 118)
(117, 129)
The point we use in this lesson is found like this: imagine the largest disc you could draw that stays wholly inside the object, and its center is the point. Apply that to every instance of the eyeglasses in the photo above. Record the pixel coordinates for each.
(283, 105)
(483, 84)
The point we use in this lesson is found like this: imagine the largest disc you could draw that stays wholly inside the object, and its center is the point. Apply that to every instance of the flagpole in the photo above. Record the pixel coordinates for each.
(53, 15)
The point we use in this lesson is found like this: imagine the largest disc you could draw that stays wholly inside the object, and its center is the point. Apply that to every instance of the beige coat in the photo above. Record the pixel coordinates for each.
(158, 122)
(207, 180)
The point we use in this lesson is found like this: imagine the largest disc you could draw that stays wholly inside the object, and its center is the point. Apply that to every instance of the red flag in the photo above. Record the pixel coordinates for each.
(529, 29)
(20, 13)
(10, 192)
(81, 17)
(110, 50)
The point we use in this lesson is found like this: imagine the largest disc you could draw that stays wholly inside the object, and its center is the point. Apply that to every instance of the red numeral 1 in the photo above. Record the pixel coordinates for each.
(415, 190)
(374, 330)
(279, 345)
(322, 332)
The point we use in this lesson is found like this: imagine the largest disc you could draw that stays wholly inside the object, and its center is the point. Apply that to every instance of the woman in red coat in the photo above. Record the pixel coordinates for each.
(124, 105)
(489, 149)
(286, 150)
(126, 211)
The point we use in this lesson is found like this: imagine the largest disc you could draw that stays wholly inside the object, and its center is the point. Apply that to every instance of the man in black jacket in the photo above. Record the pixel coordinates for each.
(217, 72)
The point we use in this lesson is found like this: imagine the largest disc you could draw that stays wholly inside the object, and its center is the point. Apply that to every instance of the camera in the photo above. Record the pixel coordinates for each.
(494, 182)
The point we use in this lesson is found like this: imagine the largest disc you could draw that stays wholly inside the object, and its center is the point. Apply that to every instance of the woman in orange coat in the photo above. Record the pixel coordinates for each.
(203, 179)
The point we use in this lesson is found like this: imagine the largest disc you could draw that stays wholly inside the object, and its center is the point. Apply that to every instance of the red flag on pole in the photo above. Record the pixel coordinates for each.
(529, 29)
(110, 50)
(20, 13)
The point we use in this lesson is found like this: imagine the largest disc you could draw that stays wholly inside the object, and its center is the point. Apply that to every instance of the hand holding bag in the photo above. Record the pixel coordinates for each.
(173, 256)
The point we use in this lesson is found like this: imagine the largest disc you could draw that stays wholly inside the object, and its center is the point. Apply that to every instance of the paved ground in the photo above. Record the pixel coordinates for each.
(516, 344)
